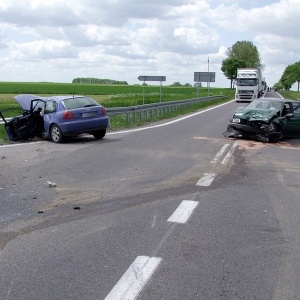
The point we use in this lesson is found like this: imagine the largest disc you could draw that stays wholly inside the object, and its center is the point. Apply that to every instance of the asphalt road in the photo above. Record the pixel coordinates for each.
(169, 211)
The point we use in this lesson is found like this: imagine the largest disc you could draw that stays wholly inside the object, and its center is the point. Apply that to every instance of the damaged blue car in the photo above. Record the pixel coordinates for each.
(57, 117)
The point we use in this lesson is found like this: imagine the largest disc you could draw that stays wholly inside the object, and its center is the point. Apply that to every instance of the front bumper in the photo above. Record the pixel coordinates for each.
(245, 128)
(236, 130)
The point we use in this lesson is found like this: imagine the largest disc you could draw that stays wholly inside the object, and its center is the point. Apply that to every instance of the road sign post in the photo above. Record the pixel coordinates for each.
(151, 78)
(204, 77)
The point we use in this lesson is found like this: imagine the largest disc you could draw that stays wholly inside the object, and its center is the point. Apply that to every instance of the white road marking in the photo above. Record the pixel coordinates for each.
(183, 211)
(229, 153)
(219, 154)
(134, 279)
(21, 144)
(170, 122)
(206, 179)
(154, 221)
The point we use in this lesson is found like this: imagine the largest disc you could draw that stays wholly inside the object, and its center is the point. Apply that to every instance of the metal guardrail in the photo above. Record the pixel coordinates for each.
(147, 112)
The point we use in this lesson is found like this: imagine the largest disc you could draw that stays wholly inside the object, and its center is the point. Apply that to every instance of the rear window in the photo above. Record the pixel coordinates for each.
(79, 102)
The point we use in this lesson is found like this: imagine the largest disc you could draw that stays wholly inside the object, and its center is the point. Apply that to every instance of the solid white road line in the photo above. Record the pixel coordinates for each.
(21, 144)
(183, 211)
(170, 122)
(219, 154)
(206, 179)
(134, 279)
(229, 153)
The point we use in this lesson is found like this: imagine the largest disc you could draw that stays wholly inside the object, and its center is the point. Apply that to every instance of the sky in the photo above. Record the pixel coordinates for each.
(57, 41)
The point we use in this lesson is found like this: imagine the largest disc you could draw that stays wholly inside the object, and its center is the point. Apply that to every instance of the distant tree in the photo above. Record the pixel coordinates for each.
(229, 68)
(198, 84)
(187, 84)
(89, 80)
(290, 75)
(247, 52)
(243, 54)
(176, 84)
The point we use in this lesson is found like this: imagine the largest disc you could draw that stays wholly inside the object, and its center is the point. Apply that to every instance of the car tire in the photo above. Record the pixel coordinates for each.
(275, 139)
(99, 134)
(56, 134)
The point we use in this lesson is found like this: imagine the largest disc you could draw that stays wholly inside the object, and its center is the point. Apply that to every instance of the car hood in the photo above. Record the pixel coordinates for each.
(254, 114)
(25, 100)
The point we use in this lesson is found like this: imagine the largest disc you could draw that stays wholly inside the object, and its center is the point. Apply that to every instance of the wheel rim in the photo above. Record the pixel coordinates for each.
(55, 134)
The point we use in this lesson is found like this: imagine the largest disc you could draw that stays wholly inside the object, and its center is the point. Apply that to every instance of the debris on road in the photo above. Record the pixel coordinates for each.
(51, 184)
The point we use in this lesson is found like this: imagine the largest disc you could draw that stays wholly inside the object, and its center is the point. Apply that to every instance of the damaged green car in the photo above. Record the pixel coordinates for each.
(266, 120)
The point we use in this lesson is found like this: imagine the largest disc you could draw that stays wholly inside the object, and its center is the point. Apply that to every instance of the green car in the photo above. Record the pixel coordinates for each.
(266, 120)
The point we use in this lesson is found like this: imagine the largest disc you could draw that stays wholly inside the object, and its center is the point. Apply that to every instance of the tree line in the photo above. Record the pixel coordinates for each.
(290, 76)
(89, 80)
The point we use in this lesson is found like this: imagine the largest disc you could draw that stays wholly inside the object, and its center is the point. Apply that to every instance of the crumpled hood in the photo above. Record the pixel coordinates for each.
(254, 114)
(25, 100)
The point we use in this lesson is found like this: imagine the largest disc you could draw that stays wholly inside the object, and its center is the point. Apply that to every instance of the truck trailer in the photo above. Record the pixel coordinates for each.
(249, 84)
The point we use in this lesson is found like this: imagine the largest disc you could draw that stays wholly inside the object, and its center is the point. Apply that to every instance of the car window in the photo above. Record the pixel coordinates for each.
(295, 104)
(50, 106)
(296, 112)
(79, 102)
(36, 104)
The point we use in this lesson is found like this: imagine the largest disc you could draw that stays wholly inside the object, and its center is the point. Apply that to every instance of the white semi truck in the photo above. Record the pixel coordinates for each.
(249, 84)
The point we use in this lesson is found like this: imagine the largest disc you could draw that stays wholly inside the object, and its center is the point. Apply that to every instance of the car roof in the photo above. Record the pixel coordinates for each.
(276, 99)
(64, 97)
(25, 99)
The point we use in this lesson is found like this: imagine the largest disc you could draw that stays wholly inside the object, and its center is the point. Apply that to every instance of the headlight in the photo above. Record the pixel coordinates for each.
(236, 120)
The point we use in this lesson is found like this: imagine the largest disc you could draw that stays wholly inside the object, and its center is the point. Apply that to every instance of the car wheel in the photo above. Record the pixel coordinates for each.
(99, 134)
(56, 134)
(276, 138)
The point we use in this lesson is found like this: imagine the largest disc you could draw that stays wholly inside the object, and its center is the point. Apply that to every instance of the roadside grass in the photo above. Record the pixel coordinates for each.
(293, 95)
(10, 108)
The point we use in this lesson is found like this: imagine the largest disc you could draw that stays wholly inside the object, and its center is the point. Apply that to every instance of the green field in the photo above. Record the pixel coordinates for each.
(109, 96)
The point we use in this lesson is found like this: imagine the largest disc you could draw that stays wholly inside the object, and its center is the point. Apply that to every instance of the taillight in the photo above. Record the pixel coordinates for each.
(68, 115)
(104, 111)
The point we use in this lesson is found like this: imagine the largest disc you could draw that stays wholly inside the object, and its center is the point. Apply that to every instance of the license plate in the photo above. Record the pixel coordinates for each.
(89, 114)
(236, 120)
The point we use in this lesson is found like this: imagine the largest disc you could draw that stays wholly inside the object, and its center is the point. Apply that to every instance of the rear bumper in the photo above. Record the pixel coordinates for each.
(88, 126)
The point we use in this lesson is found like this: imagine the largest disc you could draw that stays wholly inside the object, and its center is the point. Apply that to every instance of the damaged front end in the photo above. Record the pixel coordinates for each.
(254, 126)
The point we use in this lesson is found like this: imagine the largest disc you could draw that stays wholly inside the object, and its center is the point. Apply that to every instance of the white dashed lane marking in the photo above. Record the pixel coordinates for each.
(134, 279)
(229, 153)
(183, 211)
(219, 154)
(206, 179)
(140, 271)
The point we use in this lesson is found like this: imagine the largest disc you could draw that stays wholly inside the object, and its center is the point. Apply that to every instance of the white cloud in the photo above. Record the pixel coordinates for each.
(122, 39)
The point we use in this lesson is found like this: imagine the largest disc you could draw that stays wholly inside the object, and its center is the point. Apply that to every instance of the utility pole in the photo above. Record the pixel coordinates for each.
(208, 83)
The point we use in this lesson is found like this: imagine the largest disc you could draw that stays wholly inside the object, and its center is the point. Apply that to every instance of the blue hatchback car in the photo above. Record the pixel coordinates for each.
(57, 117)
